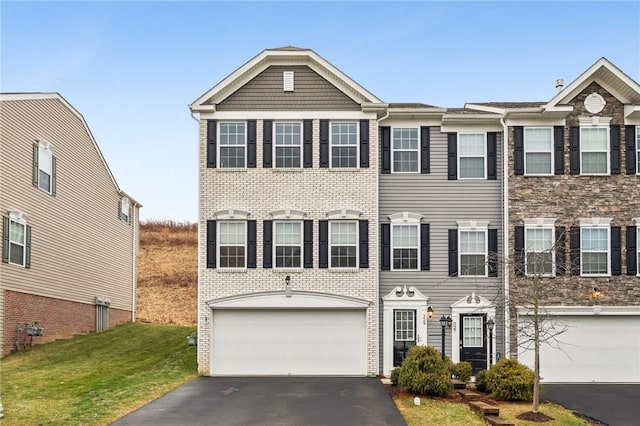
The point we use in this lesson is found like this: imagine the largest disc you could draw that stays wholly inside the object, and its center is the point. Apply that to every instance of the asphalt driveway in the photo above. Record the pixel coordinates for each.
(281, 401)
(611, 404)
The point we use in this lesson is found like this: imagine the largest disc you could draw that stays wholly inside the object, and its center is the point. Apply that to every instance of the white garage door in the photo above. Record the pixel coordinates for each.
(289, 342)
(601, 349)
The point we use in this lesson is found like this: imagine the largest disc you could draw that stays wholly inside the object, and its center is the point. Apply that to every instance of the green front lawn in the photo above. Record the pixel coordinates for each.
(97, 378)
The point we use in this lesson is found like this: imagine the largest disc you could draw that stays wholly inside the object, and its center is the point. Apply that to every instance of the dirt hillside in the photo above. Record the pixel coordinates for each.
(168, 273)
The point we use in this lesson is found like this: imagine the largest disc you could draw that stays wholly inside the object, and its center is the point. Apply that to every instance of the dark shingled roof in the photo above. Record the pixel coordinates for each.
(410, 105)
(292, 48)
(509, 104)
(466, 111)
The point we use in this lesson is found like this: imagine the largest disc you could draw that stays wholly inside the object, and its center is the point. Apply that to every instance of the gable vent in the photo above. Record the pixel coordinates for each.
(288, 81)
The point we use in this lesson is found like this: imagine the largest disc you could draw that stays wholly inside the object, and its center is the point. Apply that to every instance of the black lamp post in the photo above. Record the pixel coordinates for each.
(444, 323)
(490, 324)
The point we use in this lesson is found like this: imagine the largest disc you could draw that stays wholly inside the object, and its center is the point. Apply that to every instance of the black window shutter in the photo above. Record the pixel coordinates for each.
(364, 143)
(267, 151)
(5, 239)
(324, 143)
(251, 244)
(211, 243)
(453, 252)
(364, 243)
(492, 156)
(307, 154)
(616, 250)
(574, 245)
(385, 136)
(518, 255)
(518, 150)
(267, 244)
(492, 246)
(54, 175)
(212, 129)
(630, 142)
(614, 138)
(251, 143)
(452, 159)
(425, 150)
(385, 263)
(558, 149)
(35, 164)
(120, 209)
(632, 251)
(560, 249)
(308, 243)
(574, 150)
(323, 244)
(27, 247)
(425, 255)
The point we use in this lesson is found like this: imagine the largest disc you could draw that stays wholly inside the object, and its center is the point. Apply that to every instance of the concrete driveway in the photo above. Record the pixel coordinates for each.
(611, 404)
(281, 401)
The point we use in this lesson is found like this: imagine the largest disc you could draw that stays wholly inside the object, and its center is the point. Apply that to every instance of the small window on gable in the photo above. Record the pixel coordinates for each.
(125, 210)
(288, 81)
(44, 167)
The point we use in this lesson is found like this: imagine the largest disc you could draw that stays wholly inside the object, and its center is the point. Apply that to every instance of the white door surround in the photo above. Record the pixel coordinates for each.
(402, 298)
(471, 304)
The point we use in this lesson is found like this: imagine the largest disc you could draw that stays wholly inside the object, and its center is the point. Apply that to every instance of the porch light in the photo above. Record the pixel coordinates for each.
(596, 294)
(429, 312)
(446, 321)
(287, 287)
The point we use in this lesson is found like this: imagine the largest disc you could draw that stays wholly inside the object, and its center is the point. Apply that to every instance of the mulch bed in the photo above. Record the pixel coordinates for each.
(534, 417)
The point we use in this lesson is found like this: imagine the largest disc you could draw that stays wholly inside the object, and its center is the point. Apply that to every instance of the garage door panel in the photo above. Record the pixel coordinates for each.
(289, 342)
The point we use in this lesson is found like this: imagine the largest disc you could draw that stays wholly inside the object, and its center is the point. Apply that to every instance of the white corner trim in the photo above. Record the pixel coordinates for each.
(344, 214)
(594, 121)
(540, 221)
(231, 214)
(473, 224)
(297, 300)
(288, 214)
(595, 221)
(406, 217)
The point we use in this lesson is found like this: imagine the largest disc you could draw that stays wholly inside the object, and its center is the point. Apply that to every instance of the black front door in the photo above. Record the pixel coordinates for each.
(404, 334)
(473, 345)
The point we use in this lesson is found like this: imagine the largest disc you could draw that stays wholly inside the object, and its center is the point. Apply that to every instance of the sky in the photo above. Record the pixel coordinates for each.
(132, 68)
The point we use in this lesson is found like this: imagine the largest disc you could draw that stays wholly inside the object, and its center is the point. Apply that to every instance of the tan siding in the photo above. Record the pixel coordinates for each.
(265, 93)
(80, 249)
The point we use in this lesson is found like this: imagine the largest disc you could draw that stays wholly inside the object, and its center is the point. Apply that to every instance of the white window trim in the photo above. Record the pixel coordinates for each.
(596, 225)
(219, 144)
(417, 150)
(357, 144)
(331, 222)
(417, 226)
(484, 155)
(413, 325)
(553, 251)
(218, 245)
(607, 150)
(476, 228)
(301, 245)
(46, 147)
(275, 145)
(551, 152)
(19, 218)
(125, 208)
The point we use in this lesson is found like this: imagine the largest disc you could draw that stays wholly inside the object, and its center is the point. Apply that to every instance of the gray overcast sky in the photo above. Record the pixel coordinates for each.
(131, 68)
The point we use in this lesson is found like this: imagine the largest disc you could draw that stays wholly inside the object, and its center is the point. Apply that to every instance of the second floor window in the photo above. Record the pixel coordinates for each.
(17, 242)
(594, 150)
(472, 155)
(232, 244)
(594, 250)
(405, 150)
(473, 253)
(405, 246)
(539, 253)
(232, 145)
(344, 144)
(288, 244)
(343, 243)
(44, 167)
(288, 144)
(538, 148)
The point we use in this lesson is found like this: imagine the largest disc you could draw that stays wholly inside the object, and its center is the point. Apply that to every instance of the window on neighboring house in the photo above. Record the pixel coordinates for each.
(288, 244)
(594, 250)
(472, 155)
(125, 210)
(405, 325)
(539, 253)
(344, 144)
(232, 244)
(288, 142)
(16, 247)
(538, 149)
(405, 243)
(405, 150)
(594, 150)
(44, 167)
(473, 253)
(343, 243)
(232, 145)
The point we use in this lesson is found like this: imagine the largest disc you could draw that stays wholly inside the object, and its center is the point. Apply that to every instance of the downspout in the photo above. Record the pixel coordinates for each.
(384, 117)
(200, 322)
(134, 252)
(505, 232)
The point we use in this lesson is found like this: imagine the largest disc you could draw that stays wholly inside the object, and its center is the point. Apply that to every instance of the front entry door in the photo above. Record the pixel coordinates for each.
(473, 345)
(404, 334)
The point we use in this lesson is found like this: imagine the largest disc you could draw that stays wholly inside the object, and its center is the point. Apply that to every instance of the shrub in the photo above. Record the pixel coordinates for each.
(424, 372)
(462, 371)
(481, 381)
(509, 380)
(394, 375)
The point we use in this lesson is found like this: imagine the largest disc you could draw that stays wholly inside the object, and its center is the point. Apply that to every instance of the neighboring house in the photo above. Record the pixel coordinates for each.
(70, 235)
(336, 230)
(574, 199)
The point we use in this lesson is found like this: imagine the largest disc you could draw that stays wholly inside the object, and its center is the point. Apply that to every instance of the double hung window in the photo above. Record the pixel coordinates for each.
(343, 243)
(344, 144)
(17, 241)
(405, 243)
(594, 150)
(472, 155)
(288, 244)
(538, 148)
(595, 255)
(288, 144)
(232, 244)
(539, 252)
(233, 145)
(405, 150)
(473, 253)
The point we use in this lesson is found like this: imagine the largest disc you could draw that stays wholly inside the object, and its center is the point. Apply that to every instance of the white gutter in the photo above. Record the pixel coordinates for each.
(505, 232)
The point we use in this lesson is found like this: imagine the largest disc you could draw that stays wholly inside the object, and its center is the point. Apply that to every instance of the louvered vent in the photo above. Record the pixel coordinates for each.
(288, 81)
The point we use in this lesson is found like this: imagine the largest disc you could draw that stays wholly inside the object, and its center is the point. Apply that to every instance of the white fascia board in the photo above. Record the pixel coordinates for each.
(632, 115)
(471, 127)
(485, 108)
(581, 310)
(287, 115)
(411, 121)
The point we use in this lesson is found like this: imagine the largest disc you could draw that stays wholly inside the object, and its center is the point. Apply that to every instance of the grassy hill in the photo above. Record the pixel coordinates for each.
(168, 273)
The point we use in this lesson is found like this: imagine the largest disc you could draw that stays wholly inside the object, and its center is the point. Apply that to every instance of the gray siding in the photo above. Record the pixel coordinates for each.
(442, 202)
(265, 93)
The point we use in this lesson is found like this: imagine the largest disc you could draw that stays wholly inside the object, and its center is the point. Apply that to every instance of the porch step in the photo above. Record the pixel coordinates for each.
(457, 384)
(498, 421)
(468, 395)
(484, 408)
